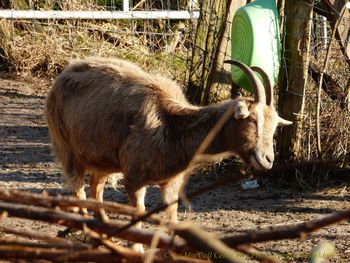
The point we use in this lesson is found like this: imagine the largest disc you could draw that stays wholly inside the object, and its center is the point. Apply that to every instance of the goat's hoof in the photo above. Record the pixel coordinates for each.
(73, 234)
(138, 248)
(65, 233)
(101, 214)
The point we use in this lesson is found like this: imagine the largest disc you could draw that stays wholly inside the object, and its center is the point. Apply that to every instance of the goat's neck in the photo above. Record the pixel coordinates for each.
(186, 130)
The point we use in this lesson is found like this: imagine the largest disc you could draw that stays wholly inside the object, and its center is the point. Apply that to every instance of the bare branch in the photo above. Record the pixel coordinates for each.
(77, 221)
(15, 242)
(65, 203)
(286, 232)
(11, 252)
(38, 236)
(206, 243)
(126, 253)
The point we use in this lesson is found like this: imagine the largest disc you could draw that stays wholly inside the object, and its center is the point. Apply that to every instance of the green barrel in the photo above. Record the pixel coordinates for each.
(255, 40)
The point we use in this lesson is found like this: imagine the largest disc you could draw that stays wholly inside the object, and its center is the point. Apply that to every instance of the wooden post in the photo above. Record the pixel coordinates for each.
(294, 74)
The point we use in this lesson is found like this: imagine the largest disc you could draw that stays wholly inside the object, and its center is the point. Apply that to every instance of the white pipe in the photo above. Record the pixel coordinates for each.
(126, 5)
(36, 14)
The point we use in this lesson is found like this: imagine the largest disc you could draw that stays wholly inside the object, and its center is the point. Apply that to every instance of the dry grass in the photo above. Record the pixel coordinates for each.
(335, 115)
(44, 49)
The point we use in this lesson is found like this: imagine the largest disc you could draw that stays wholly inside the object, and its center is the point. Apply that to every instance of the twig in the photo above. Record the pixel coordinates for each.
(127, 253)
(14, 249)
(14, 242)
(206, 243)
(212, 134)
(77, 221)
(138, 4)
(67, 202)
(154, 244)
(54, 240)
(286, 232)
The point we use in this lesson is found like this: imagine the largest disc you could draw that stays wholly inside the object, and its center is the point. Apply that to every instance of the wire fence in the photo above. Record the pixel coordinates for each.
(191, 51)
(210, 79)
(42, 47)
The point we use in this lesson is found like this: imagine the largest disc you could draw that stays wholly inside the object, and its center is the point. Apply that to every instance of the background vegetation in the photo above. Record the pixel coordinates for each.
(192, 52)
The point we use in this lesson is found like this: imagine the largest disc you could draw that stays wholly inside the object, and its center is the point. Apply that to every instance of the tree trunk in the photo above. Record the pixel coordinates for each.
(221, 73)
(211, 28)
(294, 74)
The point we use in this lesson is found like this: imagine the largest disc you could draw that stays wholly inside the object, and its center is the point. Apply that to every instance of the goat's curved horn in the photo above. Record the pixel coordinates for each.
(267, 84)
(259, 92)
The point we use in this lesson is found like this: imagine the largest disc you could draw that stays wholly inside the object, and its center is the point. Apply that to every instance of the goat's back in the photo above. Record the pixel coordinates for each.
(94, 104)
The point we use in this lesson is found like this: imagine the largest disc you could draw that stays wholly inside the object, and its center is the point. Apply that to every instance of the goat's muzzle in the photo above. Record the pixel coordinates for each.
(262, 161)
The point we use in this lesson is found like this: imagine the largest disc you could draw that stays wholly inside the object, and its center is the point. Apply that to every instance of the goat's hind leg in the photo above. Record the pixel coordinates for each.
(136, 197)
(74, 179)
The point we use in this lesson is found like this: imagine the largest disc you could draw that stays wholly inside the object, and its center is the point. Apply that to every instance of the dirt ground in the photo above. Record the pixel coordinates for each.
(26, 164)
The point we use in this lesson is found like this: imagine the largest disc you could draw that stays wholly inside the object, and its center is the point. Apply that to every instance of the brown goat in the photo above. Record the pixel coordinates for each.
(107, 116)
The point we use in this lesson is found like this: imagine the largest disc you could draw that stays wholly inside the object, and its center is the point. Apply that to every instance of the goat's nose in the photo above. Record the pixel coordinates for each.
(269, 158)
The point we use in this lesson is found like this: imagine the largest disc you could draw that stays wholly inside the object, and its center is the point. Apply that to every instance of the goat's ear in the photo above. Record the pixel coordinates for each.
(283, 122)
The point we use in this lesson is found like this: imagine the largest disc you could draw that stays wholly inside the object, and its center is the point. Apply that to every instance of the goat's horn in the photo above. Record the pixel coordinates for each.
(267, 84)
(259, 92)
(283, 122)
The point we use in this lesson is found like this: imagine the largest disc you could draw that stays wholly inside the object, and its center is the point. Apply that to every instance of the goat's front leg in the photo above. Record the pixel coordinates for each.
(170, 193)
(137, 199)
(97, 184)
(241, 110)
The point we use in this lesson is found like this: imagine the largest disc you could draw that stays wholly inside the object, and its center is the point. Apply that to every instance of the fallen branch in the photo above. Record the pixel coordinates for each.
(78, 221)
(66, 203)
(287, 232)
(14, 242)
(207, 243)
(215, 249)
(58, 242)
(127, 253)
(55, 255)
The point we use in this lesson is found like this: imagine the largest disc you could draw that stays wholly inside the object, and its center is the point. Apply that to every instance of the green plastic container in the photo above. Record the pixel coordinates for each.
(255, 40)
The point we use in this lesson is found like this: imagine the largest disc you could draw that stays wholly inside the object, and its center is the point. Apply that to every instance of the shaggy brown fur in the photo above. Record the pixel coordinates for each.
(107, 116)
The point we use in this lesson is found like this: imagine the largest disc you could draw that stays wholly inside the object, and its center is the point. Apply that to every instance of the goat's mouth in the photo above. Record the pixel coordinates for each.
(259, 163)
